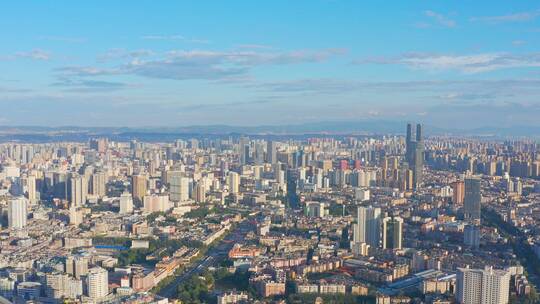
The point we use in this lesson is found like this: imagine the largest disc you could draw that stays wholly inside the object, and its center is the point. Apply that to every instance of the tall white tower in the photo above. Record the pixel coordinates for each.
(368, 227)
(17, 213)
(78, 190)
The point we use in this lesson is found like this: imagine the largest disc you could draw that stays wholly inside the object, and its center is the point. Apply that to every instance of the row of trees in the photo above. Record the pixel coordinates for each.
(138, 256)
(198, 289)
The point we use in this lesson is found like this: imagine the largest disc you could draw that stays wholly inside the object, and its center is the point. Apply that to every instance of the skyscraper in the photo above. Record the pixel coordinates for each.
(258, 153)
(408, 142)
(77, 190)
(31, 188)
(392, 232)
(368, 227)
(243, 150)
(472, 199)
(17, 213)
(414, 154)
(271, 152)
(482, 286)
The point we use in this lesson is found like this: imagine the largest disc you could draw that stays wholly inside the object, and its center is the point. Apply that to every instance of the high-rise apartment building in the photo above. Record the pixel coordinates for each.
(368, 226)
(233, 181)
(392, 230)
(99, 183)
(156, 203)
(98, 283)
(31, 192)
(199, 193)
(139, 186)
(77, 266)
(482, 286)
(17, 212)
(61, 285)
(178, 186)
(77, 190)
(126, 203)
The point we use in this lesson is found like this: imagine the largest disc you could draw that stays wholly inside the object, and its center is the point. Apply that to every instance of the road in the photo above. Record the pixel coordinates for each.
(522, 249)
(213, 257)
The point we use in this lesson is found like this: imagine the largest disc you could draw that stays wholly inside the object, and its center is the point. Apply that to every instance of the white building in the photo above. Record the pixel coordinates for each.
(99, 184)
(31, 188)
(368, 226)
(233, 297)
(77, 190)
(75, 215)
(98, 283)
(17, 213)
(59, 285)
(126, 203)
(483, 286)
(156, 203)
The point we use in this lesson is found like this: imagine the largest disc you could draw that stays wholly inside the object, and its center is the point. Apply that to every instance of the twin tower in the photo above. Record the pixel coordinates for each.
(414, 154)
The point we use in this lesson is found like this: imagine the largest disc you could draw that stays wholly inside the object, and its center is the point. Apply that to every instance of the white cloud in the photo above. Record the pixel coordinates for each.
(35, 54)
(119, 53)
(516, 17)
(255, 46)
(440, 18)
(85, 71)
(204, 64)
(475, 63)
(63, 39)
(447, 91)
(175, 37)
(163, 37)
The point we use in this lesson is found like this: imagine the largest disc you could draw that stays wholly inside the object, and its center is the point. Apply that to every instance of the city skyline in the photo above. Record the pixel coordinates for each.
(288, 219)
(272, 152)
(244, 64)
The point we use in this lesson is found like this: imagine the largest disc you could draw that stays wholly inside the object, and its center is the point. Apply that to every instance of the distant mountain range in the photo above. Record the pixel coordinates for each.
(362, 127)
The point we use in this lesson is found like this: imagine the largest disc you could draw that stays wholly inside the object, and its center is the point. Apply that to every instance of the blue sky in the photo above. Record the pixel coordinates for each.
(175, 63)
